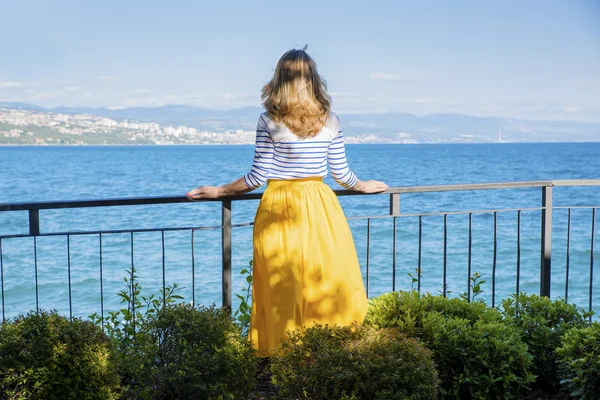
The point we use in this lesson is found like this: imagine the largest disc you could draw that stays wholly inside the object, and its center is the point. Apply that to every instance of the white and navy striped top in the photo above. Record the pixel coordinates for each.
(280, 154)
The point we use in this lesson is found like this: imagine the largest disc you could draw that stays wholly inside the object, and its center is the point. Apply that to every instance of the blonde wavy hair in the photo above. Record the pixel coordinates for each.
(297, 95)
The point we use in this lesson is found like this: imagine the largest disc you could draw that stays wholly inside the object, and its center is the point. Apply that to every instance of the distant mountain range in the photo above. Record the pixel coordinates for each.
(430, 128)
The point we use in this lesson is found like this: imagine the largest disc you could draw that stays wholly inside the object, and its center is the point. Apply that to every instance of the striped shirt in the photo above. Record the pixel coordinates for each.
(280, 154)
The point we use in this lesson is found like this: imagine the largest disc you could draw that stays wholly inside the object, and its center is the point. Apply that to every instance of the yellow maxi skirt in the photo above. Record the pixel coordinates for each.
(306, 270)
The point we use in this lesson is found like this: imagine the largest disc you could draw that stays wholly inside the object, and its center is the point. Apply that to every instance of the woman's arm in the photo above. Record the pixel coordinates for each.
(341, 172)
(338, 165)
(213, 192)
(263, 157)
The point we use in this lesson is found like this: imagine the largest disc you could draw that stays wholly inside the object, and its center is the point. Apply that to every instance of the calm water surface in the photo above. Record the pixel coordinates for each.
(30, 174)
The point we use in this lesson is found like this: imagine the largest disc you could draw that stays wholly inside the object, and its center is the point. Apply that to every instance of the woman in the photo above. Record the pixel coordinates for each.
(306, 269)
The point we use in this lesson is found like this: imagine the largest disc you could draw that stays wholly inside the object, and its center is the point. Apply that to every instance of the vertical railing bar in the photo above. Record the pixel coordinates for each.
(445, 253)
(34, 222)
(469, 257)
(394, 260)
(35, 267)
(394, 210)
(163, 268)
(226, 253)
(2, 282)
(592, 257)
(132, 278)
(368, 251)
(495, 258)
(193, 274)
(101, 286)
(546, 242)
(69, 275)
(568, 259)
(420, 252)
(394, 203)
(518, 288)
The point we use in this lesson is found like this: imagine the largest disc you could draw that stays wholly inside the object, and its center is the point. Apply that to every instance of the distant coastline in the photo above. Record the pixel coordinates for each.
(30, 125)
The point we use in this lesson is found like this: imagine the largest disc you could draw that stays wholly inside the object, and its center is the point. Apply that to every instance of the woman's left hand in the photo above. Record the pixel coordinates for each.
(204, 192)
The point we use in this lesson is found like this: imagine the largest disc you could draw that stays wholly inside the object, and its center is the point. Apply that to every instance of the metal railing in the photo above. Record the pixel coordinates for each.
(546, 207)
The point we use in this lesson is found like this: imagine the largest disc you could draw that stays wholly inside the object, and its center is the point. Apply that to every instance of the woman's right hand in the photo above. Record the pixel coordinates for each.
(204, 192)
(371, 187)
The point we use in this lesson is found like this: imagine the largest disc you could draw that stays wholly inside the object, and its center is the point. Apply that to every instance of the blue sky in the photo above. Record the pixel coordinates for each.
(525, 59)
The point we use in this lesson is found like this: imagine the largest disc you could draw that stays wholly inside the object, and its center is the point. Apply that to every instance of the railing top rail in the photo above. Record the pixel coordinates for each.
(577, 182)
(45, 205)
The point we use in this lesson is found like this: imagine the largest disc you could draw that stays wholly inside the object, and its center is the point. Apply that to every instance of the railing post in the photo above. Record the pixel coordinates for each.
(394, 210)
(34, 222)
(226, 252)
(394, 203)
(546, 241)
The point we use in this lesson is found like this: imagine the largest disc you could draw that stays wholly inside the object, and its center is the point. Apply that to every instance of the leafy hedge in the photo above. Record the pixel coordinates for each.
(480, 360)
(46, 356)
(407, 309)
(478, 356)
(199, 353)
(411, 346)
(542, 322)
(326, 362)
(174, 351)
(579, 361)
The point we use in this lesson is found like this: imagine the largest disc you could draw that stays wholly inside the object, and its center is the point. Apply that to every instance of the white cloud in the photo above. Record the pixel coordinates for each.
(141, 91)
(186, 97)
(107, 78)
(383, 77)
(42, 96)
(71, 88)
(142, 102)
(570, 109)
(11, 85)
(226, 100)
(238, 96)
(422, 101)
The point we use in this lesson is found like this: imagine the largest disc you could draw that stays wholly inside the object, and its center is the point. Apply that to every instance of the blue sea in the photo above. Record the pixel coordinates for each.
(34, 174)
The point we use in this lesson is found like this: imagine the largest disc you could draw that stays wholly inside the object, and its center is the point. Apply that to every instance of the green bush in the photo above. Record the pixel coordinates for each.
(579, 361)
(542, 322)
(46, 356)
(198, 353)
(169, 351)
(480, 360)
(406, 310)
(128, 327)
(325, 362)
(478, 356)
